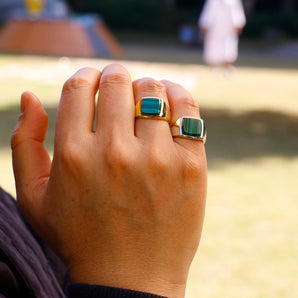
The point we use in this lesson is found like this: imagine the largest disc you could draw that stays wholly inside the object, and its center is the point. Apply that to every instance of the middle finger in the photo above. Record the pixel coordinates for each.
(149, 128)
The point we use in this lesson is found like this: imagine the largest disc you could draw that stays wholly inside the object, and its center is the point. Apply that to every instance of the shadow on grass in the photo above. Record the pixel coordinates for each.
(231, 137)
(234, 137)
(9, 119)
(178, 54)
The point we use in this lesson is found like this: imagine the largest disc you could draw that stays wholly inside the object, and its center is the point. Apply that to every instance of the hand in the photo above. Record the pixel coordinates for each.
(122, 206)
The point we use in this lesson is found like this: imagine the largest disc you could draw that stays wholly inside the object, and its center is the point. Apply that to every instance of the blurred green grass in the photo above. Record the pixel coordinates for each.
(250, 238)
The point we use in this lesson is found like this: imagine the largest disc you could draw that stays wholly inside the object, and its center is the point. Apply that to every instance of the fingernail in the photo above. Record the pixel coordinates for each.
(25, 98)
(23, 106)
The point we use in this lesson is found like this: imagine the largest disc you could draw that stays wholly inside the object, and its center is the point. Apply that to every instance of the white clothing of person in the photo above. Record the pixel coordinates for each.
(221, 20)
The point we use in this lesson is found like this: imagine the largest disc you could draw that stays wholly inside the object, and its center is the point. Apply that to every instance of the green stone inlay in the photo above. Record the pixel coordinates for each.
(192, 127)
(150, 106)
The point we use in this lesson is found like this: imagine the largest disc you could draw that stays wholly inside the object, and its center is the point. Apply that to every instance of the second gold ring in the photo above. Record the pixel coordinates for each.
(152, 108)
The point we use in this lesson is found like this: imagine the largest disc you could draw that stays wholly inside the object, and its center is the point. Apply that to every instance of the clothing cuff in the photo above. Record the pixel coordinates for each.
(95, 291)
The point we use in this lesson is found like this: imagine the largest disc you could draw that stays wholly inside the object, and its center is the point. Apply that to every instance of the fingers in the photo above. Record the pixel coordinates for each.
(31, 162)
(77, 106)
(150, 129)
(115, 107)
(182, 104)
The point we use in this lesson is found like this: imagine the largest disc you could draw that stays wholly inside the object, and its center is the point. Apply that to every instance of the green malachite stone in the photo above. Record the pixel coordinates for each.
(150, 106)
(192, 127)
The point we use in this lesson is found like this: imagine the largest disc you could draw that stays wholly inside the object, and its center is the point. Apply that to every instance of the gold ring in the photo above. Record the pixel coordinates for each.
(152, 108)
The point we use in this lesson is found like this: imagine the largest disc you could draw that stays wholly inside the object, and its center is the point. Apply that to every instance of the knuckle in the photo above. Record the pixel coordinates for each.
(185, 98)
(18, 133)
(115, 78)
(16, 139)
(117, 158)
(188, 104)
(152, 86)
(74, 83)
(189, 100)
(70, 157)
(193, 106)
(157, 162)
(193, 170)
(24, 131)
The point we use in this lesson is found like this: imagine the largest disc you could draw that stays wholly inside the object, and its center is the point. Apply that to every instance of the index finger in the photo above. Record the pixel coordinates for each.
(77, 105)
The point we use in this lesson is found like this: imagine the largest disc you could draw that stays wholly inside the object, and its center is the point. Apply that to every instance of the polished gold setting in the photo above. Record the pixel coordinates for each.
(152, 108)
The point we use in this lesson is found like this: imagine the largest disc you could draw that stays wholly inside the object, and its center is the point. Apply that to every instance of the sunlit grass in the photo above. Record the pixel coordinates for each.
(250, 238)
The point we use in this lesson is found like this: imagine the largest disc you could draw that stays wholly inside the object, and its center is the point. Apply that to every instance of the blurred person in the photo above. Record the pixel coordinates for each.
(121, 205)
(221, 22)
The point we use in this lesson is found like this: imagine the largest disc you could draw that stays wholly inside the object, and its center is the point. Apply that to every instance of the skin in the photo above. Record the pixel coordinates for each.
(123, 206)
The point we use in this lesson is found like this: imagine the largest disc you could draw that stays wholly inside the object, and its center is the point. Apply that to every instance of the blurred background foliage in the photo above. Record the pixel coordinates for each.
(272, 24)
(146, 15)
(265, 18)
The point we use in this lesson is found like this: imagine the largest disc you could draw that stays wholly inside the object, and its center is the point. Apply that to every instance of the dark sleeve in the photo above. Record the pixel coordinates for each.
(94, 291)
(9, 286)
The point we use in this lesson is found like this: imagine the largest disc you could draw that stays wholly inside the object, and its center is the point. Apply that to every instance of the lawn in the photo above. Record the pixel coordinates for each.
(250, 240)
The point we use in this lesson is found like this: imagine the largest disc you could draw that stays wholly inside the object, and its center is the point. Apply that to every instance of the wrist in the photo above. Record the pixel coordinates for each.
(136, 278)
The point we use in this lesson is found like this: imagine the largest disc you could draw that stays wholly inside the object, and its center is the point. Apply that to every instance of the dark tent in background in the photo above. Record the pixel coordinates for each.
(77, 37)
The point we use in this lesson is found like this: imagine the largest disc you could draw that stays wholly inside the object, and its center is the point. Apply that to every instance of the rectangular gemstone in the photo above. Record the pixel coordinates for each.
(151, 106)
(192, 127)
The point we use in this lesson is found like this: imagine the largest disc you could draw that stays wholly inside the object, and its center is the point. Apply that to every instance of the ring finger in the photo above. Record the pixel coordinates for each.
(183, 105)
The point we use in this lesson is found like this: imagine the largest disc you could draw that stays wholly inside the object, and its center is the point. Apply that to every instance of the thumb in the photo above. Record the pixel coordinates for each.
(31, 161)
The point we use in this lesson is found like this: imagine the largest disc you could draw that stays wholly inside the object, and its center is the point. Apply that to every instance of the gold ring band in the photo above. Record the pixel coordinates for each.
(152, 108)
